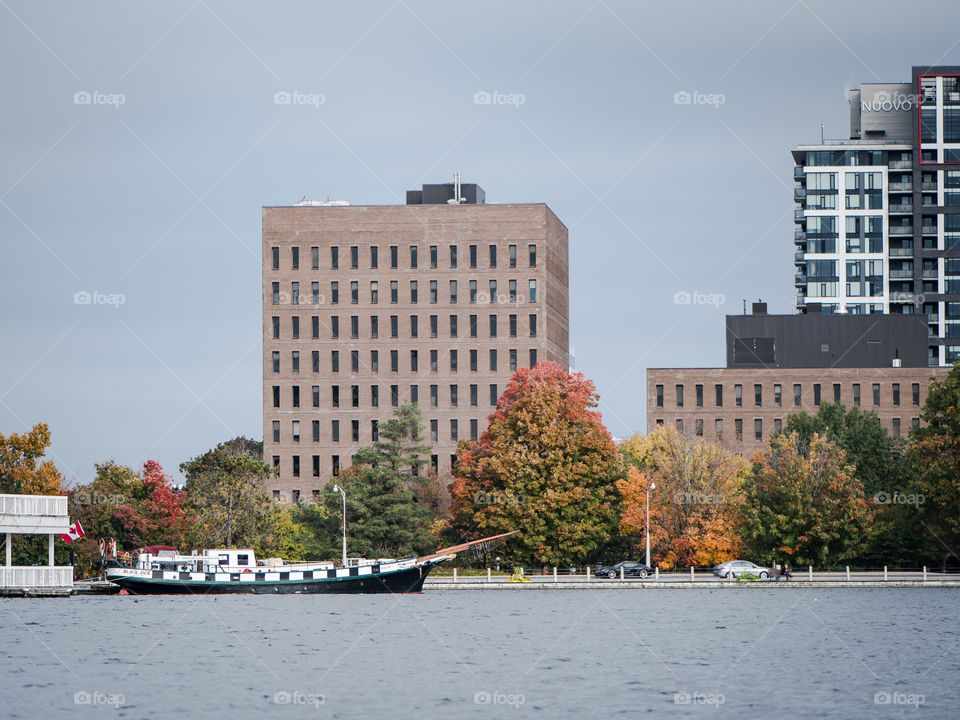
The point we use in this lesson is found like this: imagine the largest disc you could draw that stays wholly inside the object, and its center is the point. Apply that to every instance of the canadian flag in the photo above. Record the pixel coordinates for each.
(73, 532)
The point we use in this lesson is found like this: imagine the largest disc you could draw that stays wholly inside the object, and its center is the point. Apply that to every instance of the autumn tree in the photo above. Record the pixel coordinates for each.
(227, 497)
(545, 466)
(805, 509)
(385, 518)
(22, 471)
(934, 457)
(695, 508)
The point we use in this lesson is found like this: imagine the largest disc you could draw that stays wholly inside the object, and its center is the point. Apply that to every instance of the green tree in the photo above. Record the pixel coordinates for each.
(934, 456)
(807, 509)
(384, 517)
(227, 497)
(545, 466)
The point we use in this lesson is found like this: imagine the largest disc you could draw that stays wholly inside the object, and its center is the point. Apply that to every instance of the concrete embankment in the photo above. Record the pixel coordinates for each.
(483, 584)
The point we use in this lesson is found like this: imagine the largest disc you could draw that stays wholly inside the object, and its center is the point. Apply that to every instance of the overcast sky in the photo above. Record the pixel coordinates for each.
(140, 140)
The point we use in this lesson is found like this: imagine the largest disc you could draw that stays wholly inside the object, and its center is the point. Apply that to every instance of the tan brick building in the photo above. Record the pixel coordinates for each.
(368, 307)
(741, 407)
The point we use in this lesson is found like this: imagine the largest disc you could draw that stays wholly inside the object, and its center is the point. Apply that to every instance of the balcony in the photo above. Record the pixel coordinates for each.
(799, 256)
(931, 186)
(928, 229)
(901, 252)
(901, 229)
(798, 214)
(901, 274)
(800, 194)
(799, 236)
(900, 164)
(901, 187)
(900, 208)
(798, 172)
(930, 275)
(800, 278)
(933, 317)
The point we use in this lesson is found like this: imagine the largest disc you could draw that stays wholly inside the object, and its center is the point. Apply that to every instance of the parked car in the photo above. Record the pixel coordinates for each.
(630, 569)
(733, 568)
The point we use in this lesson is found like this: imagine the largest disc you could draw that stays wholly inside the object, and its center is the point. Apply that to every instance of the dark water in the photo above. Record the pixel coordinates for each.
(487, 654)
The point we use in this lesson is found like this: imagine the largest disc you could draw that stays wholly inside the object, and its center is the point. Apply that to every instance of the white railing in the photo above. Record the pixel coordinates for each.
(49, 505)
(39, 576)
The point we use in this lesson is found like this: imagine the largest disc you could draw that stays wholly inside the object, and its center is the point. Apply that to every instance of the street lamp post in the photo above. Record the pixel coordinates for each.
(337, 488)
(653, 486)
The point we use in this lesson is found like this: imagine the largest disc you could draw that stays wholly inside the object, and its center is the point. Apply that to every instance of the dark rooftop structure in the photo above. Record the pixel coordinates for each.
(815, 340)
(447, 193)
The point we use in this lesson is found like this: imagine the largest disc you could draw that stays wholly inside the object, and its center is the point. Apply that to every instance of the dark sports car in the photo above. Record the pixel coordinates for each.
(630, 569)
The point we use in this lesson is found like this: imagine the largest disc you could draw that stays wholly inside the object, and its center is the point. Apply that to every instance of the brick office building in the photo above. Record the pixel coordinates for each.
(435, 302)
(783, 364)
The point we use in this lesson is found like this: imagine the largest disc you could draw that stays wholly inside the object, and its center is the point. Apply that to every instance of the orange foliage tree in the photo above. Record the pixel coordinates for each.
(545, 466)
(21, 471)
(695, 508)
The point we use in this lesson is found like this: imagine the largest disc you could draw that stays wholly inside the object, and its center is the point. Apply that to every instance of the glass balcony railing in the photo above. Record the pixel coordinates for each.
(901, 229)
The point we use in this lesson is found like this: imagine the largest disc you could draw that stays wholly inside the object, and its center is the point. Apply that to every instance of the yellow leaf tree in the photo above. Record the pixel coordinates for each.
(22, 471)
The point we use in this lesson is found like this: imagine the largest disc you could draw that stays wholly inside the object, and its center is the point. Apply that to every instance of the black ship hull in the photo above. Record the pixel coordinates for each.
(408, 580)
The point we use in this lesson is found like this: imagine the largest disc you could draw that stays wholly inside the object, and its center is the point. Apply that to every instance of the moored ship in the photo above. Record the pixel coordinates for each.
(154, 570)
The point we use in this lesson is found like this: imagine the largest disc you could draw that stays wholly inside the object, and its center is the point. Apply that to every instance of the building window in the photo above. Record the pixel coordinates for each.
(374, 326)
(473, 396)
(473, 256)
(335, 361)
(453, 257)
(473, 360)
(876, 394)
(493, 326)
(296, 431)
(718, 428)
(355, 361)
(375, 361)
(276, 431)
(533, 291)
(295, 293)
(512, 251)
(758, 429)
(335, 327)
(315, 258)
(414, 326)
(316, 467)
(275, 355)
(275, 288)
(513, 360)
(394, 292)
(433, 292)
(493, 256)
(453, 292)
(512, 320)
(738, 428)
(374, 396)
(836, 392)
(533, 357)
(395, 396)
(374, 292)
(394, 361)
(276, 327)
(434, 361)
(493, 394)
(295, 359)
(315, 293)
(315, 395)
(275, 253)
(453, 326)
(276, 396)
(374, 257)
(433, 257)
(474, 429)
(679, 390)
(334, 293)
(896, 396)
(915, 423)
(394, 257)
(355, 430)
(512, 289)
(296, 396)
(295, 327)
(315, 428)
(533, 255)
(719, 391)
(758, 395)
(374, 430)
(453, 395)
(699, 392)
(413, 361)
(816, 394)
(473, 291)
(856, 394)
(415, 394)
(296, 471)
(659, 395)
(335, 396)
(679, 424)
(394, 326)
(453, 360)
(896, 427)
(916, 393)
(738, 395)
(315, 327)
(778, 395)
(493, 360)
(777, 425)
(434, 431)
(533, 326)
(698, 427)
(413, 257)
(434, 330)
(354, 326)
(797, 395)
(334, 257)
(335, 462)
(413, 292)
(473, 326)
(295, 258)
(493, 291)
(354, 257)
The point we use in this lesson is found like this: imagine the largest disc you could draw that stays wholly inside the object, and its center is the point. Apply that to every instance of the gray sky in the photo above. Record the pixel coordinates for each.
(158, 199)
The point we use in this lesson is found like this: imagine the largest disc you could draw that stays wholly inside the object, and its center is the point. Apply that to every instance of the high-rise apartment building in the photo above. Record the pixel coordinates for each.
(436, 302)
(878, 213)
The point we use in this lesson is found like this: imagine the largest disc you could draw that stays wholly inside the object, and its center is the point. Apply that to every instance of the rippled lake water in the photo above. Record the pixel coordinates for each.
(802, 653)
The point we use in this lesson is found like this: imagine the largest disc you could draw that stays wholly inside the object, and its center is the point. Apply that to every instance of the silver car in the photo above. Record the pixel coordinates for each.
(733, 568)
